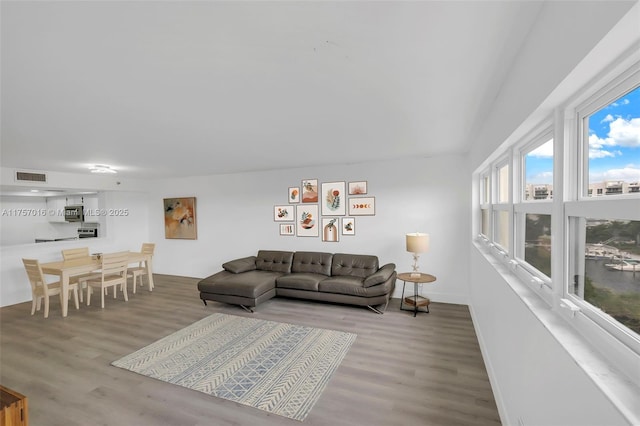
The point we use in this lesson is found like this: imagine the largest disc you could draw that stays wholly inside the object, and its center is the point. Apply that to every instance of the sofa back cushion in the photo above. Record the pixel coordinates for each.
(275, 261)
(356, 265)
(312, 262)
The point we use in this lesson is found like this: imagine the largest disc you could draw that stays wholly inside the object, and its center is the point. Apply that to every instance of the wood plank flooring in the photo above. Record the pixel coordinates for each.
(401, 370)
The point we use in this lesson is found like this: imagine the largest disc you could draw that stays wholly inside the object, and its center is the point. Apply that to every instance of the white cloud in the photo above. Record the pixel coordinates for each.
(622, 102)
(629, 173)
(625, 132)
(608, 118)
(599, 153)
(544, 150)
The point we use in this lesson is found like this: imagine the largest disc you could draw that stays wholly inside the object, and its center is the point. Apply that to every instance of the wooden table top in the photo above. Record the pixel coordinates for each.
(423, 278)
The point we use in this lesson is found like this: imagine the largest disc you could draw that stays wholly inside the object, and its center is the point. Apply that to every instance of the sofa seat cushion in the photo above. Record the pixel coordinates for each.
(247, 284)
(300, 281)
(343, 285)
(353, 286)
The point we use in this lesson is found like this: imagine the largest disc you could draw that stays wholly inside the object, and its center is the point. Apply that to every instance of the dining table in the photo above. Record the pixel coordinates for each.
(69, 268)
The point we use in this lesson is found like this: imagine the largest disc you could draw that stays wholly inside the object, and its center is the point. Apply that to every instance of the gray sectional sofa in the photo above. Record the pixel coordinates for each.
(341, 278)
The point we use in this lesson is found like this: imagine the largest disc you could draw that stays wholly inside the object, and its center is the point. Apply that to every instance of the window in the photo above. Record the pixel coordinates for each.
(611, 140)
(606, 273)
(604, 218)
(583, 245)
(485, 204)
(538, 168)
(533, 209)
(501, 208)
(537, 242)
(503, 184)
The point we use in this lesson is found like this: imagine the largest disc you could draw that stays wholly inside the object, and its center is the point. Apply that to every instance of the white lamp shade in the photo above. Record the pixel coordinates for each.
(417, 243)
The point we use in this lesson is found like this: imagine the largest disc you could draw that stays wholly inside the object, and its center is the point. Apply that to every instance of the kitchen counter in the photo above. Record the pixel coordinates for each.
(49, 239)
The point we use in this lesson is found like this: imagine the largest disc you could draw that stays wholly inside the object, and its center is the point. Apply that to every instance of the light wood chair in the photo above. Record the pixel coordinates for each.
(113, 273)
(79, 253)
(141, 270)
(40, 289)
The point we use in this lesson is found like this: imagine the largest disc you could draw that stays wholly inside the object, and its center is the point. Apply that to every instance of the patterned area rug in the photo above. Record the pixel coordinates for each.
(275, 367)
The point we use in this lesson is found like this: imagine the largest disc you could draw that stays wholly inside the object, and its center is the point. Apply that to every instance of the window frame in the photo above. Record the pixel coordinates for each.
(498, 206)
(522, 206)
(580, 205)
(626, 82)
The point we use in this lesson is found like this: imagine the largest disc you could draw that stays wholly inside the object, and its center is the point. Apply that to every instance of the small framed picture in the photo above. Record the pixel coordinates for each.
(310, 191)
(362, 206)
(348, 226)
(283, 213)
(330, 231)
(333, 199)
(287, 229)
(294, 194)
(357, 188)
(307, 220)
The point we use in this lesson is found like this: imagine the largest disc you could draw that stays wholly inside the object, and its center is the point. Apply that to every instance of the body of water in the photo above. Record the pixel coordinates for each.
(618, 281)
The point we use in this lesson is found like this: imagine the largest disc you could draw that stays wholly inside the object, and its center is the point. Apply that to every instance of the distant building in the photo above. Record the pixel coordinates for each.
(613, 187)
(610, 187)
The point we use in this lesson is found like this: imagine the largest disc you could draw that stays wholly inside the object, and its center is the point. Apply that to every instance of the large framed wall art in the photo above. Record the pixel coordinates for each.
(180, 218)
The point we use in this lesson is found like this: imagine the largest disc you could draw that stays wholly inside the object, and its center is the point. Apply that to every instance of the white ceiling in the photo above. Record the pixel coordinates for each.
(161, 89)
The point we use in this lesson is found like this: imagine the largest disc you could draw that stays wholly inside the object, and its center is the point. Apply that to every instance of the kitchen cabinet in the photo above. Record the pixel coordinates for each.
(91, 208)
(55, 209)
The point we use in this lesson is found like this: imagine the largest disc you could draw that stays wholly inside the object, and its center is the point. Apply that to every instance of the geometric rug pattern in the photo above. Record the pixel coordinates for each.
(276, 367)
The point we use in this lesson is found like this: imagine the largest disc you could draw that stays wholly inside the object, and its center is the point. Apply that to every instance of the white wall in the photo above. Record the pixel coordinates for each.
(535, 380)
(235, 218)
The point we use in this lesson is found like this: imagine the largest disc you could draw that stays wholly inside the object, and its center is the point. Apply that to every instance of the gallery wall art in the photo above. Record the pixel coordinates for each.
(362, 206)
(319, 209)
(333, 198)
(310, 191)
(180, 218)
(283, 213)
(307, 220)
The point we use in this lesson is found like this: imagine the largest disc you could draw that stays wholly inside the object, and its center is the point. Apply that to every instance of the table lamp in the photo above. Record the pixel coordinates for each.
(417, 243)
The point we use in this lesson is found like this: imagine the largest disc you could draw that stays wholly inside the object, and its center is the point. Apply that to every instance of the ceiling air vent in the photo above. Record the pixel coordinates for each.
(30, 177)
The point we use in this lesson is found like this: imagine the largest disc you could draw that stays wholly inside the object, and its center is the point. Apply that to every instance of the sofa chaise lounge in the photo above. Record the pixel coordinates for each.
(340, 278)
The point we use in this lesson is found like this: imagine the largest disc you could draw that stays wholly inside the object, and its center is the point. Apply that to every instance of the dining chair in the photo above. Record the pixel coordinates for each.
(113, 273)
(79, 253)
(141, 270)
(41, 289)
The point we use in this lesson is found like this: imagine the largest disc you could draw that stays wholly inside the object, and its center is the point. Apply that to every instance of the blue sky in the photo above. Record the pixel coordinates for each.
(614, 145)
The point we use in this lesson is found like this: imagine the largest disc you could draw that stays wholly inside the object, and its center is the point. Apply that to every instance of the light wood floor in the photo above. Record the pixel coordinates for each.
(401, 371)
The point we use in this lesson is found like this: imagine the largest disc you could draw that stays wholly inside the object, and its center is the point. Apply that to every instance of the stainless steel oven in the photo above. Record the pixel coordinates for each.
(74, 213)
(88, 232)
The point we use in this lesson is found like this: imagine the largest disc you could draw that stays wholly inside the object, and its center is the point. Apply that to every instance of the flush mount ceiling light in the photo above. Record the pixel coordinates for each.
(102, 168)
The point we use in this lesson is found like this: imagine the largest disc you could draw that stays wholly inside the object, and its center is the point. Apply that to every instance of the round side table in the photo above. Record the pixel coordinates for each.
(416, 300)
